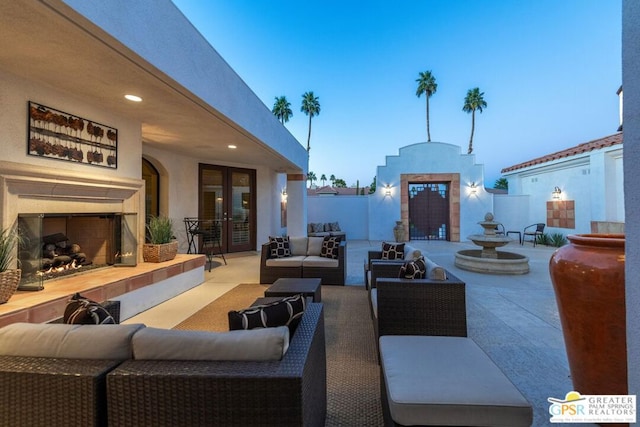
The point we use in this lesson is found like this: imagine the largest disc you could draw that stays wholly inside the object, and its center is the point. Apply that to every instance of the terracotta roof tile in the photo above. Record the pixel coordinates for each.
(585, 147)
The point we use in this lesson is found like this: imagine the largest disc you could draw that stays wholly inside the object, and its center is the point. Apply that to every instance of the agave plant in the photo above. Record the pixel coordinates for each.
(160, 230)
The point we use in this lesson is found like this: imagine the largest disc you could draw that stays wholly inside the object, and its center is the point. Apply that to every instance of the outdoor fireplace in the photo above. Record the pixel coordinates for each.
(53, 245)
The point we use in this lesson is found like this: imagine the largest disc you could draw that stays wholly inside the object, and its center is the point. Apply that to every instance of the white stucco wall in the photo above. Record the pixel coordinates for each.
(180, 188)
(631, 85)
(16, 92)
(158, 32)
(428, 158)
(351, 212)
(593, 180)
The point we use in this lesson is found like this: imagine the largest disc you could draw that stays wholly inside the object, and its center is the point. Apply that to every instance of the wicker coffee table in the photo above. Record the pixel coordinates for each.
(309, 287)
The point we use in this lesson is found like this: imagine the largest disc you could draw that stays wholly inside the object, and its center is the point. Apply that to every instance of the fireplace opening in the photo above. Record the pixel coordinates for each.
(55, 245)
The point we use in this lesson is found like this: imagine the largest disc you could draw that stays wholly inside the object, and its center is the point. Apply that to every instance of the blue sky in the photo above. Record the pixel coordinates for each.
(549, 70)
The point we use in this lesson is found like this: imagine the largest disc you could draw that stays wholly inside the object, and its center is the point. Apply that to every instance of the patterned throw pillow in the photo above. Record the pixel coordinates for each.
(280, 247)
(392, 250)
(416, 269)
(285, 312)
(317, 227)
(330, 247)
(83, 311)
(334, 226)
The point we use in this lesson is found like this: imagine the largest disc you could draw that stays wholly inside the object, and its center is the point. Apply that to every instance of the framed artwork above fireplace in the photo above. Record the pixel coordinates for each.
(57, 135)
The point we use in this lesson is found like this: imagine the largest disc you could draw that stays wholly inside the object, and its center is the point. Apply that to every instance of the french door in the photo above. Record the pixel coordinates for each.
(227, 196)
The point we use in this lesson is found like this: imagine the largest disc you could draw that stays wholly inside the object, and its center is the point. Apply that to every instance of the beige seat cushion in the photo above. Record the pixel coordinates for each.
(432, 380)
(245, 345)
(320, 261)
(289, 261)
(68, 341)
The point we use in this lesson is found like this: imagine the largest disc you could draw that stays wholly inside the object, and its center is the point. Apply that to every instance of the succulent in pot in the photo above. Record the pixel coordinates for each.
(9, 277)
(162, 245)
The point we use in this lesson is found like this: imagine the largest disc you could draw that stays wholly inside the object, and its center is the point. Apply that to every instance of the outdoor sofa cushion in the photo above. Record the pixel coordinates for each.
(242, 345)
(68, 341)
(432, 380)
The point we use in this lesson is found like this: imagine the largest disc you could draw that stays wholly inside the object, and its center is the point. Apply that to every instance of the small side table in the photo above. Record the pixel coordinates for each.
(516, 232)
(285, 287)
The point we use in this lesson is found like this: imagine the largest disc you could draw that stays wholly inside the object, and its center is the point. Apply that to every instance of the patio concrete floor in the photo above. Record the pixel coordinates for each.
(513, 318)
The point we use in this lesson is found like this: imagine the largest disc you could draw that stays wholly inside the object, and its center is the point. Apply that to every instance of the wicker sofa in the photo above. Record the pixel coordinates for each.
(305, 261)
(435, 305)
(48, 391)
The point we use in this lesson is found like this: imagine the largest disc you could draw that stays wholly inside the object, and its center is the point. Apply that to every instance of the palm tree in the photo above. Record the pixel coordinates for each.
(282, 109)
(427, 85)
(323, 178)
(501, 183)
(310, 107)
(311, 176)
(472, 102)
(332, 178)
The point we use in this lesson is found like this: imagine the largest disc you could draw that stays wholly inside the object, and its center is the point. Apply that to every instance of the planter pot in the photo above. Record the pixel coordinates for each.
(159, 253)
(9, 281)
(398, 232)
(588, 280)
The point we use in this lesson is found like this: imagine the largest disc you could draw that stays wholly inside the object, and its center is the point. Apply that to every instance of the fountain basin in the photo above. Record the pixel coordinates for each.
(504, 263)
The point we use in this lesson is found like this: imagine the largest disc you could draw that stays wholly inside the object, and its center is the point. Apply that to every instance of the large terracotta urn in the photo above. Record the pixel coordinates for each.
(588, 280)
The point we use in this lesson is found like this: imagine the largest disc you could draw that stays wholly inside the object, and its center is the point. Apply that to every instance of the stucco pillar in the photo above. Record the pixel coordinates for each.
(296, 205)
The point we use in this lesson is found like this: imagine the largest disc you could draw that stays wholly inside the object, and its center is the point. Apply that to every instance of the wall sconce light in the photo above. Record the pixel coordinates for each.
(284, 195)
(555, 194)
(387, 190)
(473, 188)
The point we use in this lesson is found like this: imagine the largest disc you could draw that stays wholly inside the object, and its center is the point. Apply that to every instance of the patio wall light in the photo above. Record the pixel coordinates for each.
(473, 188)
(387, 190)
(284, 195)
(555, 194)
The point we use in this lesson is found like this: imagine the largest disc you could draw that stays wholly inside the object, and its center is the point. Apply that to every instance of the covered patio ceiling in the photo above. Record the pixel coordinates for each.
(48, 42)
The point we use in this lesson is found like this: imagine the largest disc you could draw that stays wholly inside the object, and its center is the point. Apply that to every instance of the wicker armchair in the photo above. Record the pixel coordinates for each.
(420, 307)
(288, 392)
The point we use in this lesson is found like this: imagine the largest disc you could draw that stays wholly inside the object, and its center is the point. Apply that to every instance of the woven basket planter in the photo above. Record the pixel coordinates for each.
(159, 253)
(9, 281)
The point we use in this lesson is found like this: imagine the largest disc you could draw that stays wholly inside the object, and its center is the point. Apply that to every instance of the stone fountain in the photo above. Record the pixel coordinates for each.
(488, 259)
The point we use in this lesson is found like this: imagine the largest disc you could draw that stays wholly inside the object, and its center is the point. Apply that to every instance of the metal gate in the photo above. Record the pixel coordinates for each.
(429, 211)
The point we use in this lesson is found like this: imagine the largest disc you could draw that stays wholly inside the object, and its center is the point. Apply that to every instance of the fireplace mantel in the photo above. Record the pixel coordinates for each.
(31, 189)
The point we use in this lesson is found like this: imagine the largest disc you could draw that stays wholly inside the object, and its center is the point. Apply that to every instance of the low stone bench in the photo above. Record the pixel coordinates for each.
(435, 380)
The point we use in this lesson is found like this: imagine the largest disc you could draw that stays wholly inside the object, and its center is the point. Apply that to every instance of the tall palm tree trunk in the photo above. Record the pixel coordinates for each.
(309, 135)
(428, 131)
(473, 125)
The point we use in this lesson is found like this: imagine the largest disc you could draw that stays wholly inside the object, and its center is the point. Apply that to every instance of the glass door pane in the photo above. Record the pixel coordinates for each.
(241, 208)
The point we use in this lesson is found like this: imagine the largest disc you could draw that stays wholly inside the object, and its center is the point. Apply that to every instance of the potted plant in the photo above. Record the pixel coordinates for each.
(162, 245)
(9, 278)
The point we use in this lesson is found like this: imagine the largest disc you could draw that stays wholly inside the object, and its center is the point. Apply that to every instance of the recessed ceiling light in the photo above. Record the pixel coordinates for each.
(233, 147)
(133, 98)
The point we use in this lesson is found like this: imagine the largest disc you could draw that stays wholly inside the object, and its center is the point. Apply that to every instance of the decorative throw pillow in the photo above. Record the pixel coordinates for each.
(83, 311)
(285, 312)
(317, 227)
(416, 269)
(392, 250)
(334, 226)
(330, 247)
(280, 247)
